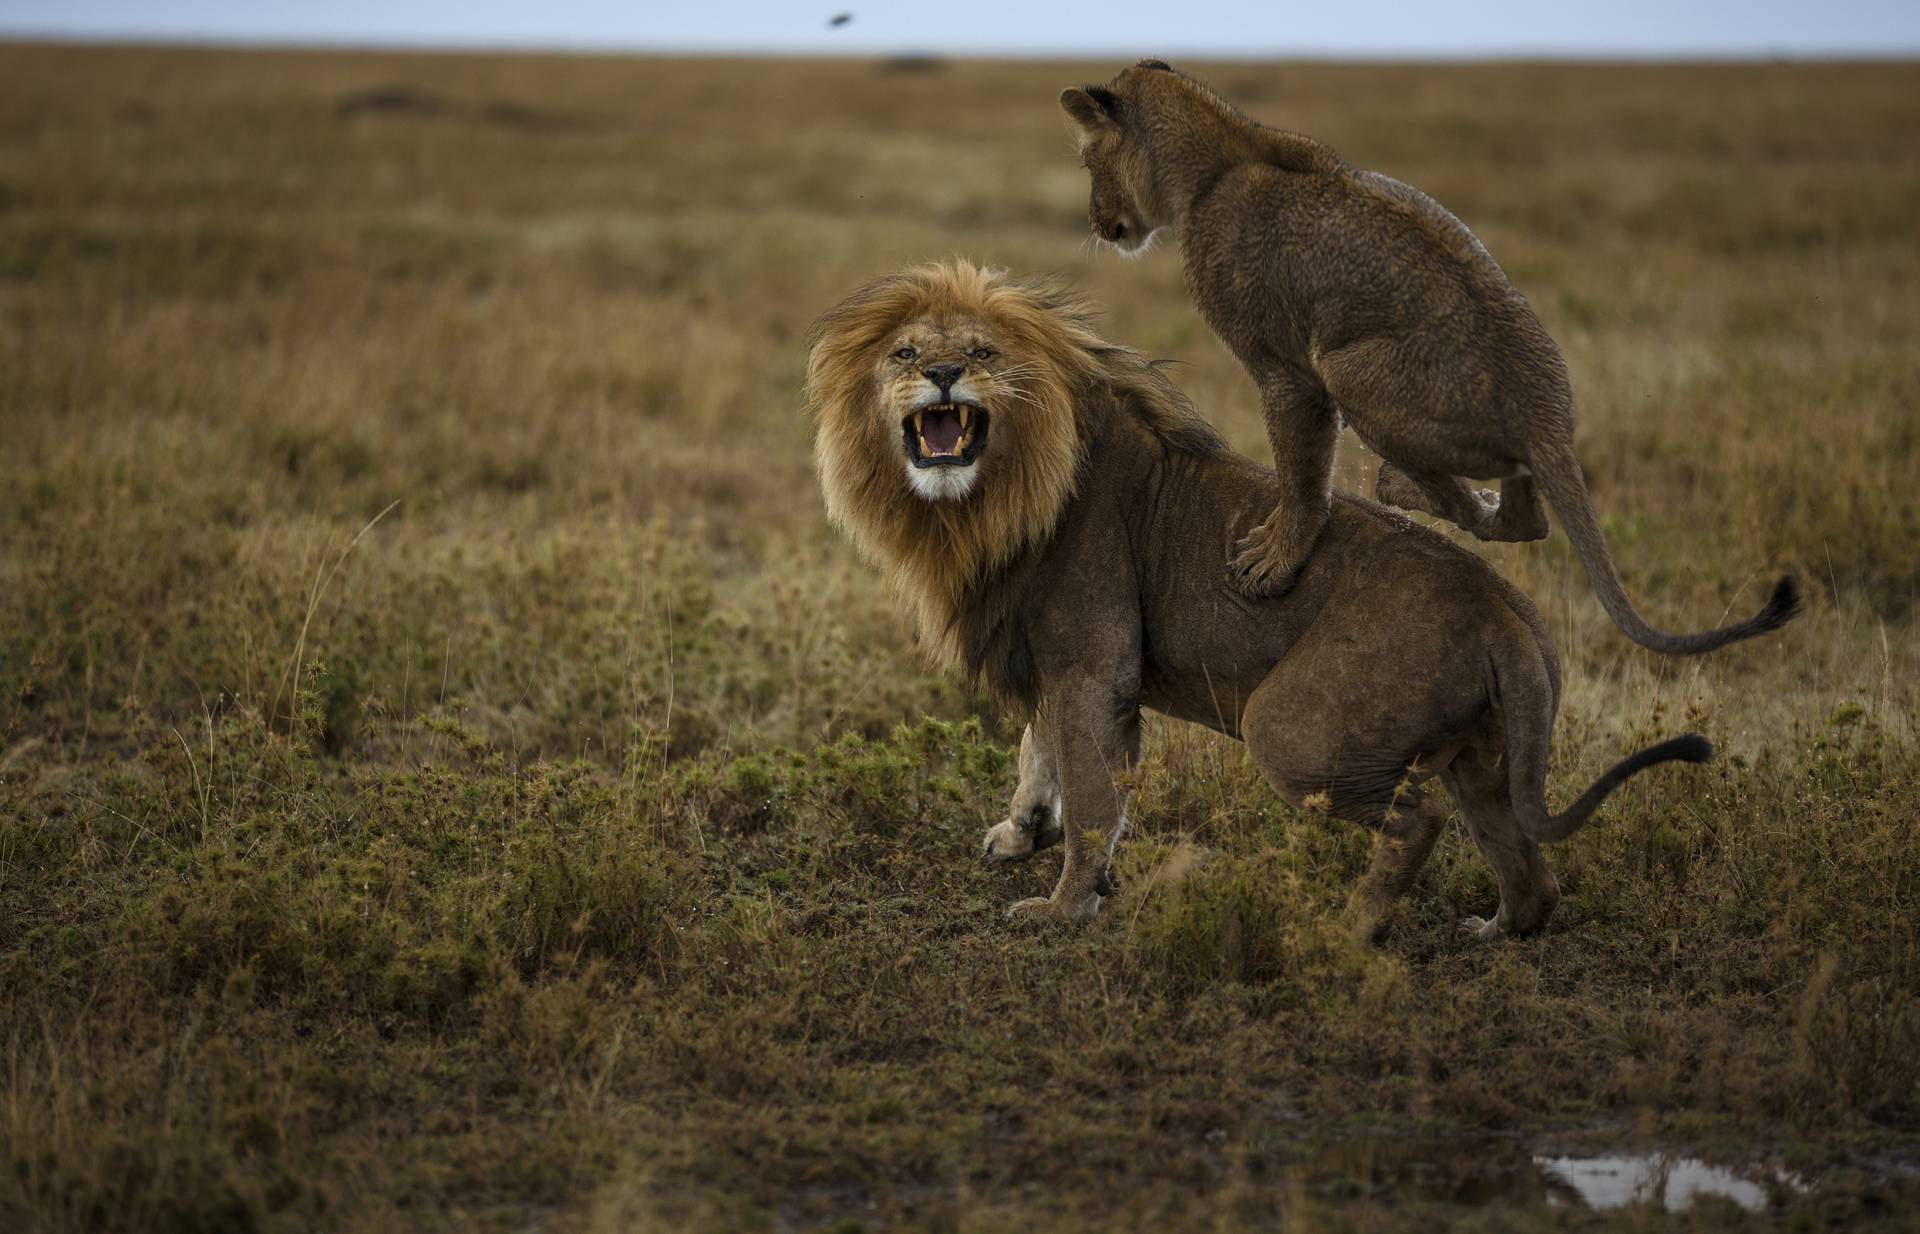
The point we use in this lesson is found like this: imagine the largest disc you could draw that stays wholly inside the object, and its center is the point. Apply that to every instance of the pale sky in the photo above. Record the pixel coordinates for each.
(1126, 28)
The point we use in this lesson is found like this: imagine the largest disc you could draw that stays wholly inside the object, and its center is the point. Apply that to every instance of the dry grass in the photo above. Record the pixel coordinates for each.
(556, 858)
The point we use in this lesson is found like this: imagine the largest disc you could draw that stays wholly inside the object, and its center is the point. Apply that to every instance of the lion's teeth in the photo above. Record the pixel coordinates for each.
(966, 417)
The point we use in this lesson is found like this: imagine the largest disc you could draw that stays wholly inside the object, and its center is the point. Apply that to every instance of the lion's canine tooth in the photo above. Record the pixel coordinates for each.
(966, 417)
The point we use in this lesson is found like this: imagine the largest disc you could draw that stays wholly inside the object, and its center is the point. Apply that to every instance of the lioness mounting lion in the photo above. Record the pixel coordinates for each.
(1060, 519)
(1349, 294)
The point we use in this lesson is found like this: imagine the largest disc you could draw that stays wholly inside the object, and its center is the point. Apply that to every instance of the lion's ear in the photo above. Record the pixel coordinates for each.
(1091, 109)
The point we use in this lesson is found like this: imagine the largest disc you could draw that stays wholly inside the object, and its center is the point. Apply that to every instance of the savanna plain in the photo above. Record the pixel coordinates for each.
(452, 776)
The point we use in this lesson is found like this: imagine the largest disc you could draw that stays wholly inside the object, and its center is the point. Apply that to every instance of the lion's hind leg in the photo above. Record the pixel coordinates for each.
(1528, 892)
(1408, 831)
(1361, 753)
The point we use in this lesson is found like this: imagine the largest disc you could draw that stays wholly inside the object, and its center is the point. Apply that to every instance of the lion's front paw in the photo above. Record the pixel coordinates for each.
(1266, 563)
(1055, 911)
(1007, 841)
(1020, 835)
(1480, 928)
(1036, 909)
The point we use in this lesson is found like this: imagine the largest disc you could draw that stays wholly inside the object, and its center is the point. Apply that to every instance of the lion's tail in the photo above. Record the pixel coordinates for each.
(1526, 704)
(1558, 472)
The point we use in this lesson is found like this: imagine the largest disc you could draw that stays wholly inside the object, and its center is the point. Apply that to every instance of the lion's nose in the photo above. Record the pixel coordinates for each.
(943, 375)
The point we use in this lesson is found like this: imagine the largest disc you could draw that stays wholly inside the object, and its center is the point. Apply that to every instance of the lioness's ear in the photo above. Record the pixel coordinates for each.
(1092, 109)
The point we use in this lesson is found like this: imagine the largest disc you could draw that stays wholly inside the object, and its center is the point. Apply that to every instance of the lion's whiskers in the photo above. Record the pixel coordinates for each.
(1014, 391)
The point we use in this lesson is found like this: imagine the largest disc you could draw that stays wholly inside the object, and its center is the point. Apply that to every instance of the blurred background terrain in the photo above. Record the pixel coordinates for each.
(450, 773)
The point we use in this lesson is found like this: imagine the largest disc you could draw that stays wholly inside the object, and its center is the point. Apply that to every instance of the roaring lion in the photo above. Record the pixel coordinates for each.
(1347, 294)
(1059, 519)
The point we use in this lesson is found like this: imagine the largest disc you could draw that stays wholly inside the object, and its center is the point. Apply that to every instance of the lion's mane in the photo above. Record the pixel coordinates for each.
(1065, 382)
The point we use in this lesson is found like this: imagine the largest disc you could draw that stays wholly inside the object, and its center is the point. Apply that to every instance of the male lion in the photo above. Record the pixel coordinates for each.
(1348, 294)
(1060, 518)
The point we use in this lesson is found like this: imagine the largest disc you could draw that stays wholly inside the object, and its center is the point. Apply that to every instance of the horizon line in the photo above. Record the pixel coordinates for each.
(1324, 54)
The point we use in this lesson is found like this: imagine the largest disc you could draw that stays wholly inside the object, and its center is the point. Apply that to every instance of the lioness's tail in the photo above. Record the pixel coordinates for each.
(1558, 473)
(1526, 703)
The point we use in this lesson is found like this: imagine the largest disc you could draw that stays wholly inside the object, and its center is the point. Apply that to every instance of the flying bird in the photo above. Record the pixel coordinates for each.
(839, 19)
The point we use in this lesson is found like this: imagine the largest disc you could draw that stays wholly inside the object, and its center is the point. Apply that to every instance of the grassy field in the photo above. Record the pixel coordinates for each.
(452, 777)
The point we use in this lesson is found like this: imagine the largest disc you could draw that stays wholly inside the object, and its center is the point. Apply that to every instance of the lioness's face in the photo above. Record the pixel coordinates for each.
(939, 379)
(1116, 204)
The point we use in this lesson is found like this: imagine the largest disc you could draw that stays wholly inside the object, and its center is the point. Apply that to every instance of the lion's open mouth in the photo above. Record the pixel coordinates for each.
(945, 435)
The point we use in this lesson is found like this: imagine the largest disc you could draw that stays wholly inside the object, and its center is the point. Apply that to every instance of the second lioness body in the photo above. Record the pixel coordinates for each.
(1347, 294)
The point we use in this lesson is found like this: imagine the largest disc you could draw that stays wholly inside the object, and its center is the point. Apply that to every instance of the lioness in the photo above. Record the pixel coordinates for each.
(1348, 294)
(1059, 518)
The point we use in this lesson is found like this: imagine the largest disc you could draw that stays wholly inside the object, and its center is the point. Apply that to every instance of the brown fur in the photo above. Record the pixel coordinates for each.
(1396, 657)
(1346, 293)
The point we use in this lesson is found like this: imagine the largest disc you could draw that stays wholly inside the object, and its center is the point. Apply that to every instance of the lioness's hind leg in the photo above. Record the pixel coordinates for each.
(1520, 516)
(1407, 836)
(1443, 496)
(1528, 892)
(1394, 487)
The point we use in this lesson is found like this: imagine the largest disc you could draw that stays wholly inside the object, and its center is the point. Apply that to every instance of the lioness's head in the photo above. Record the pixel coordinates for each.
(1124, 207)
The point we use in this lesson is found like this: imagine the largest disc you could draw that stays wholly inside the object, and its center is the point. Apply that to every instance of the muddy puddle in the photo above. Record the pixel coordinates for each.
(1486, 1170)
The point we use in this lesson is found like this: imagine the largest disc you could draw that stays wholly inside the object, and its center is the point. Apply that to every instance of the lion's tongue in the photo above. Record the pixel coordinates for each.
(941, 431)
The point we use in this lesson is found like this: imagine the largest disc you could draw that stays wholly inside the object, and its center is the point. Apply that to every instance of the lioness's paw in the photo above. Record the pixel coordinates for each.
(1007, 841)
(1480, 928)
(1262, 567)
(1512, 524)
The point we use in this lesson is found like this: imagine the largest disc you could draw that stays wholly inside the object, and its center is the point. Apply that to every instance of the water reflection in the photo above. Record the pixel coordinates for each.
(1672, 1183)
(1476, 1170)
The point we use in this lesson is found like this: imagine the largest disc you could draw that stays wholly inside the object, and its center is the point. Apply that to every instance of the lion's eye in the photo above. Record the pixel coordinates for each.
(983, 354)
(905, 353)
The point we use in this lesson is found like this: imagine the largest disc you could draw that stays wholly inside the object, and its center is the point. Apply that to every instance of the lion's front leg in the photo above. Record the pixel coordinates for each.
(1033, 821)
(1092, 746)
